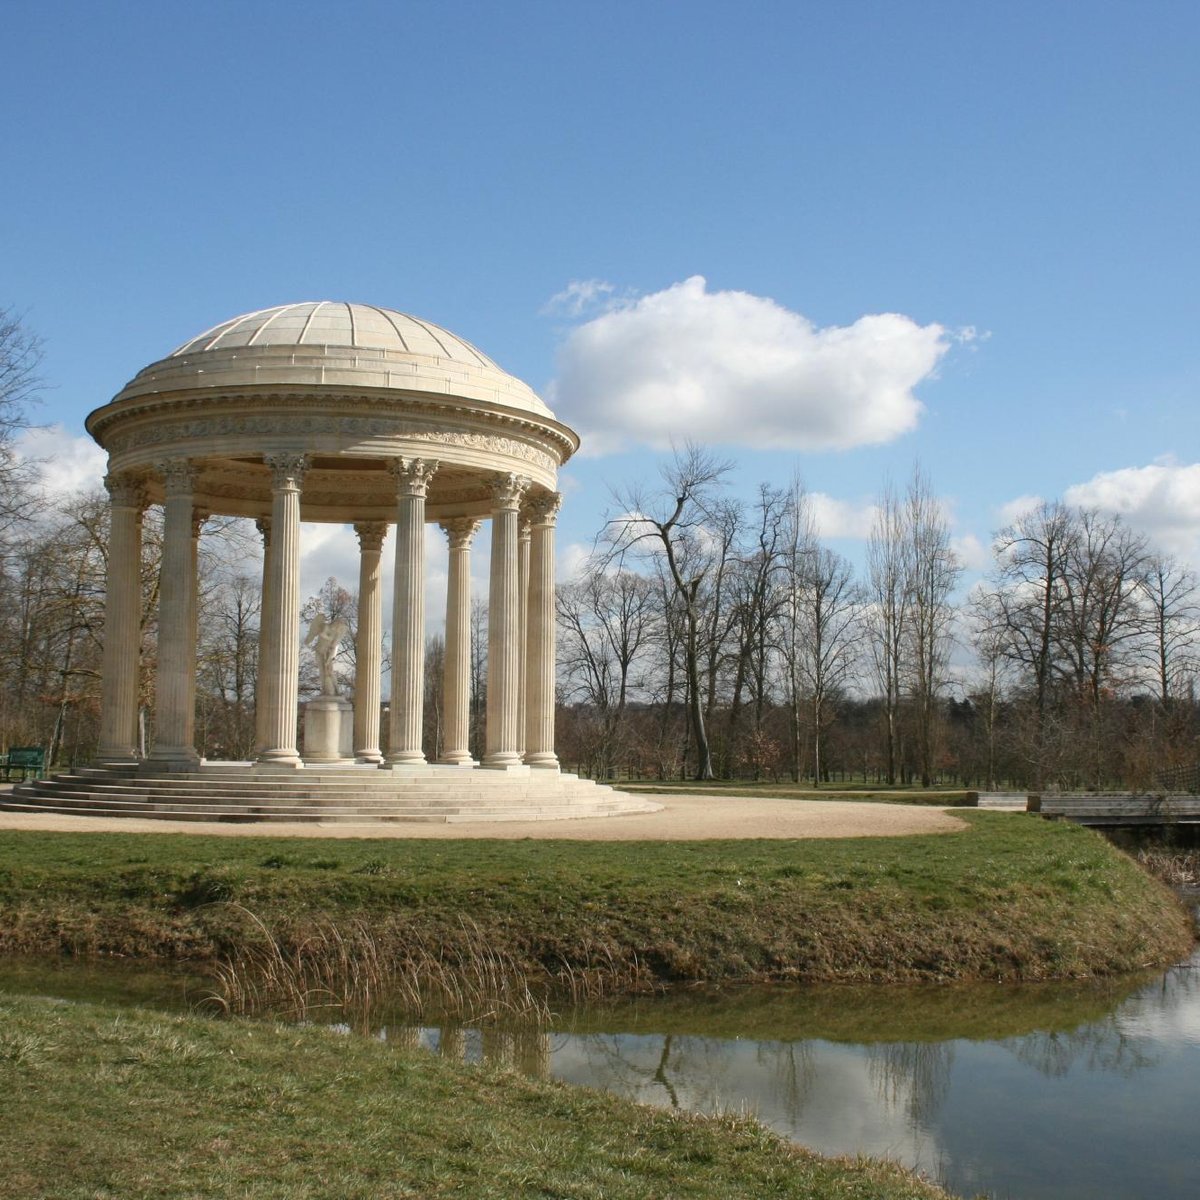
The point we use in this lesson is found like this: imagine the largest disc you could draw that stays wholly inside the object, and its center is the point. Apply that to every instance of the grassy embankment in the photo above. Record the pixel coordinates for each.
(865, 792)
(112, 1103)
(1010, 898)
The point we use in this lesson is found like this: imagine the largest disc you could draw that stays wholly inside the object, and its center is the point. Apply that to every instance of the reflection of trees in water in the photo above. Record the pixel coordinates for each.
(694, 1072)
(915, 1074)
(791, 1067)
(1099, 1047)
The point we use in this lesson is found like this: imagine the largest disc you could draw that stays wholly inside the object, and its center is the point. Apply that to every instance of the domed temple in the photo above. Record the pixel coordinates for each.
(350, 414)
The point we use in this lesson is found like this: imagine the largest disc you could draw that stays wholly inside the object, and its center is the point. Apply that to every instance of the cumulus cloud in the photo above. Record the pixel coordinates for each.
(1017, 508)
(1162, 500)
(841, 518)
(738, 369)
(66, 463)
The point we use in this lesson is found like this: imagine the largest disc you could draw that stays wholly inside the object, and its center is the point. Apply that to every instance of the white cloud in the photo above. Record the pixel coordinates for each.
(66, 463)
(739, 369)
(579, 296)
(1016, 508)
(1162, 500)
(971, 553)
(841, 518)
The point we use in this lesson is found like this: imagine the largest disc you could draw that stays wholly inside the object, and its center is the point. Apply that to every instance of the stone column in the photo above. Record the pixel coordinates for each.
(120, 667)
(522, 626)
(408, 613)
(504, 635)
(456, 688)
(281, 620)
(368, 647)
(199, 516)
(174, 687)
(540, 639)
(262, 699)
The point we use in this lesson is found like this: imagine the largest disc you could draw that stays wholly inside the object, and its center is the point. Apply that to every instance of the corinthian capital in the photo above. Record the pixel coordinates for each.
(543, 508)
(459, 531)
(412, 475)
(507, 490)
(370, 536)
(287, 470)
(179, 476)
(126, 490)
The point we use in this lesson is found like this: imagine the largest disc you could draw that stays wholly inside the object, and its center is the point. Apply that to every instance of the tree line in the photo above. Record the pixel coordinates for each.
(706, 636)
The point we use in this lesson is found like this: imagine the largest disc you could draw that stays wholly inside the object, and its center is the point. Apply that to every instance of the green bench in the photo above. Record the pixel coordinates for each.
(25, 759)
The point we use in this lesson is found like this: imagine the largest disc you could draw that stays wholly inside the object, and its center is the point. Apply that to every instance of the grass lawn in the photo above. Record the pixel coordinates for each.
(1012, 897)
(867, 793)
(108, 1104)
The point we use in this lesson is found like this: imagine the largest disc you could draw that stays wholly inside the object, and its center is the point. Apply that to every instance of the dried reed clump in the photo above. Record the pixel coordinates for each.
(344, 970)
(1176, 868)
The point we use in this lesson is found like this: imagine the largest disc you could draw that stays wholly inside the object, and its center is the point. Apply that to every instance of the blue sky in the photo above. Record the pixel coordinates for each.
(1018, 181)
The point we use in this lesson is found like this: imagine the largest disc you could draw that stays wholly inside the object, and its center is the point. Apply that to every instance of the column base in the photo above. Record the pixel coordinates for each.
(405, 758)
(171, 760)
(116, 758)
(368, 758)
(458, 760)
(505, 762)
(543, 762)
(288, 759)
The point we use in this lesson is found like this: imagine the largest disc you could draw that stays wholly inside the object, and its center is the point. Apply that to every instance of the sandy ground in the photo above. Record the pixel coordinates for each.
(683, 818)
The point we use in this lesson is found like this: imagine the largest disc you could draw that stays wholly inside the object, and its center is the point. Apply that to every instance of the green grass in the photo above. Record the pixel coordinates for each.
(866, 793)
(104, 1104)
(1010, 898)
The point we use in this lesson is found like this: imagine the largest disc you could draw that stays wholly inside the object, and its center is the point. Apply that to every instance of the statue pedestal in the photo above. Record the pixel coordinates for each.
(328, 730)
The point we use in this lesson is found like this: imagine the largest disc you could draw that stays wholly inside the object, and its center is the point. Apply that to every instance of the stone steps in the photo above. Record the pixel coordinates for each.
(235, 792)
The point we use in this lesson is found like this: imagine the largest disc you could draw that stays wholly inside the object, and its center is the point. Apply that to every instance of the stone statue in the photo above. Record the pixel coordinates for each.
(324, 636)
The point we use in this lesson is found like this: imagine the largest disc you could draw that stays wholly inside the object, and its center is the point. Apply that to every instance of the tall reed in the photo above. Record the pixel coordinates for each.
(344, 970)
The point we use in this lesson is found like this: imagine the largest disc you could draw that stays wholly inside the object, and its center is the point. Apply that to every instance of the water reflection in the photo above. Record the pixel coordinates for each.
(1023, 1092)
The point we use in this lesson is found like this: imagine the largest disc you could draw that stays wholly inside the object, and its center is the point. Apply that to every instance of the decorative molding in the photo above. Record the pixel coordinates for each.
(354, 426)
(459, 531)
(507, 489)
(412, 475)
(370, 536)
(287, 470)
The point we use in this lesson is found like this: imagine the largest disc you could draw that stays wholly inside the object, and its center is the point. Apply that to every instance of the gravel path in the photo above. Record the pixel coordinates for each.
(683, 818)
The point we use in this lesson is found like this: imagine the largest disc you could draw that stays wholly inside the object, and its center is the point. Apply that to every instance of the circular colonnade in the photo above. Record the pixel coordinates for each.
(351, 414)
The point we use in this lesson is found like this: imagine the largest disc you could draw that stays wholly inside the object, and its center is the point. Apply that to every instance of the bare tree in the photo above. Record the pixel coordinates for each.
(676, 523)
(888, 612)
(1171, 598)
(606, 621)
(1027, 595)
(932, 573)
(829, 611)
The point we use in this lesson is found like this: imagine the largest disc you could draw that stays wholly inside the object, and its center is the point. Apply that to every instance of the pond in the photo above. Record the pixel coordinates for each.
(1022, 1092)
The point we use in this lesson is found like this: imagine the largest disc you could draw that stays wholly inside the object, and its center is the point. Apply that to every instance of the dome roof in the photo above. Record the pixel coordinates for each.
(336, 323)
(331, 344)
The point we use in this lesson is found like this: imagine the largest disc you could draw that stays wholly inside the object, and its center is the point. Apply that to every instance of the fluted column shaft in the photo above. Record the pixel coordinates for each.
(262, 700)
(281, 620)
(368, 648)
(504, 614)
(175, 713)
(408, 613)
(456, 686)
(199, 516)
(522, 626)
(122, 621)
(540, 637)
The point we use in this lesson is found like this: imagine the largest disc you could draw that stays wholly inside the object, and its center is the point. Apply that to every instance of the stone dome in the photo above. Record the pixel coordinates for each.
(334, 344)
(350, 386)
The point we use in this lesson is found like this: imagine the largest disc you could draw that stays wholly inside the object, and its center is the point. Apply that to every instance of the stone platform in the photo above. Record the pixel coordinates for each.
(353, 793)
